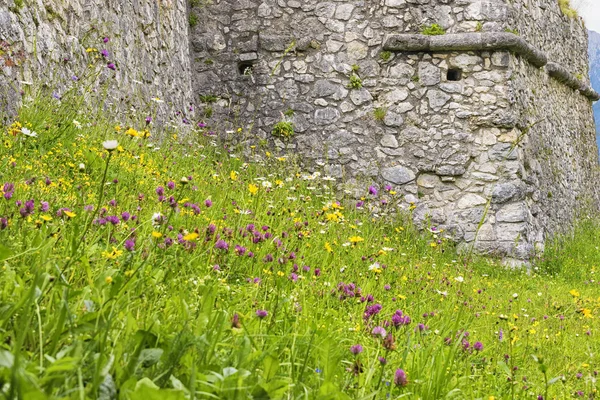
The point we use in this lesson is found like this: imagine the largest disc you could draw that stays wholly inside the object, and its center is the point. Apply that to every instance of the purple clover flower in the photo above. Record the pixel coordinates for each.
(221, 245)
(129, 244)
(261, 313)
(400, 378)
(356, 349)
(379, 331)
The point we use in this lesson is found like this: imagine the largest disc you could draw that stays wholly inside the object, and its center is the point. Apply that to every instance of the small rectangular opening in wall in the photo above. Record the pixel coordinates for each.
(245, 68)
(454, 74)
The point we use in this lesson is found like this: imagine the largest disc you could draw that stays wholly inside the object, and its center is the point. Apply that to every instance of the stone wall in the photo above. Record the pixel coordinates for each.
(46, 41)
(471, 132)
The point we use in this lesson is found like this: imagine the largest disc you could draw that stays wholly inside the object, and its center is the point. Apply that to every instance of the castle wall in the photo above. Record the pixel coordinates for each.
(459, 152)
(559, 152)
(46, 41)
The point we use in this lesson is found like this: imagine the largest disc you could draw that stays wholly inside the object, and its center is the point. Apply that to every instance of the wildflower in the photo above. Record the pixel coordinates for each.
(574, 293)
(235, 321)
(373, 190)
(382, 360)
(129, 245)
(372, 310)
(240, 250)
(157, 219)
(104, 53)
(8, 190)
(379, 331)
(81, 167)
(111, 66)
(252, 188)
(356, 349)
(28, 132)
(110, 145)
(171, 185)
(3, 223)
(105, 40)
(221, 245)
(399, 319)
(108, 279)
(400, 378)
(184, 180)
(478, 346)
(356, 239)
(111, 255)
(261, 313)
(208, 203)
(191, 236)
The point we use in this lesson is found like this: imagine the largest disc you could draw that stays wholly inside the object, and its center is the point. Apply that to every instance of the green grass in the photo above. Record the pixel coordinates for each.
(254, 278)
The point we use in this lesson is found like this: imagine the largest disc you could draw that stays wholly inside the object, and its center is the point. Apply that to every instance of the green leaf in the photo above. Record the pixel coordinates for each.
(6, 359)
(145, 389)
(149, 357)
(277, 388)
(270, 367)
(5, 252)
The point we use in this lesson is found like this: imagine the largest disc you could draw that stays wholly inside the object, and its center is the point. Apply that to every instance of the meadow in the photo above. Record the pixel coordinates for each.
(147, 263)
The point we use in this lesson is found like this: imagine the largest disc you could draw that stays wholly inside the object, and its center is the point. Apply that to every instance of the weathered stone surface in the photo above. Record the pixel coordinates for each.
(429, 74)
(471, 200)
(389, 141)
(148, 45)
(398, 175)
(437, 98)
(451, 121)
(326, 116)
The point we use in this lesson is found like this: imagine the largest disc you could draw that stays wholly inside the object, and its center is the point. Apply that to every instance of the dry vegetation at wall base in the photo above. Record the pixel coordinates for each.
(138, 263)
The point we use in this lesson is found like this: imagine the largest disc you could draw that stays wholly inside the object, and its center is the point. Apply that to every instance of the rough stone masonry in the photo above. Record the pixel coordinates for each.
(485, 131)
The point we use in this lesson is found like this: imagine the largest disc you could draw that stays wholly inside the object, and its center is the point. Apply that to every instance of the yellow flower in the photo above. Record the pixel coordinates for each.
(46, 218)
(156, 234)
(191, 236)
(108, 279)
(587, 313)
(574, 293)
(118, 128)
(113, 254)
(233, 175)
(356, 239)
(252, 188)
(328, 247)
(131, 132)
(70, 214)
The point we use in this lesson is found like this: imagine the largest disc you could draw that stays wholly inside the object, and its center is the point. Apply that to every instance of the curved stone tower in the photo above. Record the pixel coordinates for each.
(487, 129)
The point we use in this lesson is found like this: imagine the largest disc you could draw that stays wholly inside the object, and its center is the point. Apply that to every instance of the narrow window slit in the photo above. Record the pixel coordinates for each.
(454, 74)
(245, 68)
